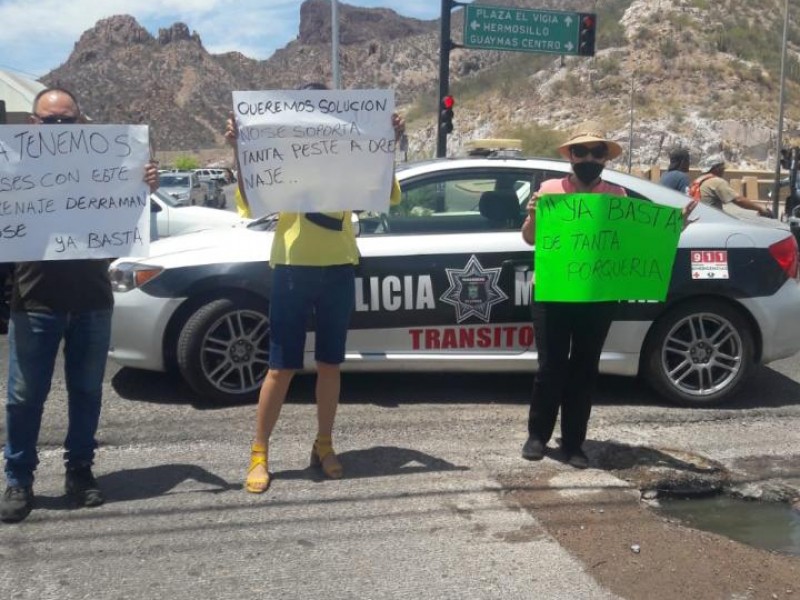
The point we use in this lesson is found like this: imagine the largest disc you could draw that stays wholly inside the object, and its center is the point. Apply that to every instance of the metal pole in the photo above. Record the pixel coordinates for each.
(337, 80)
(630, 130)
(776, 186)
(444, 76)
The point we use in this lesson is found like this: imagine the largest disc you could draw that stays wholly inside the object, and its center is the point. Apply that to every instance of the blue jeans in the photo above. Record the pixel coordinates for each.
(33, 340)
(298, 292)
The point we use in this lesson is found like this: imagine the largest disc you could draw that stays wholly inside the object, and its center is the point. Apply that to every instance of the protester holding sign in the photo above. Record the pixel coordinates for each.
(313, 254)
(570, 334)
(55, 301)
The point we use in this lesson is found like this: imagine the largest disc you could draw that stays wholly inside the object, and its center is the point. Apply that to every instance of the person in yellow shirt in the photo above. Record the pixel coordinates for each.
(242, 208)
(313, 261)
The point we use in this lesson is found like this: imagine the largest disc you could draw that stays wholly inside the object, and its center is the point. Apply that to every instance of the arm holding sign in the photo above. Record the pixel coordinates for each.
(151, 175)
(529, 226)
(399, 126)
(231, 136)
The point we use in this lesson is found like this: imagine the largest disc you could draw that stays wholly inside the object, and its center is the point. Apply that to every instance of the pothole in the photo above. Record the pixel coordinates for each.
(770, 525)
(704, 494)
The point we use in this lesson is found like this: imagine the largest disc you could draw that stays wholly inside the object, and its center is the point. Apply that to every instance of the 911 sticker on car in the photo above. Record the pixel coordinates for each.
(709, 264)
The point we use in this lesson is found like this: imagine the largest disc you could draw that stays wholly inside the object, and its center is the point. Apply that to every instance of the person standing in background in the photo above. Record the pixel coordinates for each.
(715, 191)
(677, 175)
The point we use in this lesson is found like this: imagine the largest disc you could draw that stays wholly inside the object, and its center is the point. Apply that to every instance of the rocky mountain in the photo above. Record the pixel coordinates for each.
(700, 73)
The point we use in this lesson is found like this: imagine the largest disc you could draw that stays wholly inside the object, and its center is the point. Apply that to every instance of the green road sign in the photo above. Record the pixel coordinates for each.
(522, 30)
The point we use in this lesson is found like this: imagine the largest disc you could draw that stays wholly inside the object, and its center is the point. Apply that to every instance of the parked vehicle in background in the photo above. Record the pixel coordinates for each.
(211, 174)
(184, 186)
(215, 193)
(168, 218)
(444, 285)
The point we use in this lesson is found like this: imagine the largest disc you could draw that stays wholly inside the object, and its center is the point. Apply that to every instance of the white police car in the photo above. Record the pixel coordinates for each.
(168, 217)
(444, 285)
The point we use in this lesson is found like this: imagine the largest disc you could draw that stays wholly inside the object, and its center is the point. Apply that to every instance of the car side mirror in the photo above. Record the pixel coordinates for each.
(154, 208)
(356, 224)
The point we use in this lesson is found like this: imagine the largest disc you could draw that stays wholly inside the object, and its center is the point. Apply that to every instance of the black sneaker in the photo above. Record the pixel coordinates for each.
(578, 459)
(82, 487)
(533, 449)
(17, 503)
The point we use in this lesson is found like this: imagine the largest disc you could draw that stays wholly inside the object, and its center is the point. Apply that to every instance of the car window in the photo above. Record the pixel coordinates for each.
(174, 180)
(463, 201)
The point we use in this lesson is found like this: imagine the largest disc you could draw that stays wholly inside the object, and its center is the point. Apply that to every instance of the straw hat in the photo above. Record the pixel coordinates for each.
(589, 133)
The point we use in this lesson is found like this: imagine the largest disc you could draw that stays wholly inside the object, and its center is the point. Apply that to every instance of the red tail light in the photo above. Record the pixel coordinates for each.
(785, 254)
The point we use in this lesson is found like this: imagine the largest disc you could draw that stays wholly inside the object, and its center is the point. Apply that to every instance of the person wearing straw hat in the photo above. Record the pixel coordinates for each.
(569, 336)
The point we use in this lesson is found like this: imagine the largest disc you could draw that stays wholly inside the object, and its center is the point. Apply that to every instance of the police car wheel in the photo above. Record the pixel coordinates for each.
(223, 349)
(699, 353)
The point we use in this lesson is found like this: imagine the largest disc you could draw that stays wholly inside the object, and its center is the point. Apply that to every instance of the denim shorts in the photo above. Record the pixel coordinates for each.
(318, 298)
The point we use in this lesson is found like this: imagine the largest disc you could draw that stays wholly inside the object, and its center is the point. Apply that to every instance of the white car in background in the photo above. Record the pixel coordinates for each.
(169, 218)
(184, 186)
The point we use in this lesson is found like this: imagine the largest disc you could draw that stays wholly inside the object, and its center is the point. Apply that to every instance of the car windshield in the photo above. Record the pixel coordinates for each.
(167, 199)
(174, 180)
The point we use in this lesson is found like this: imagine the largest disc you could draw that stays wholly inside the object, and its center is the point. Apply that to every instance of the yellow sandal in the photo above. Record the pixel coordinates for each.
(257, 484)
(323, 456)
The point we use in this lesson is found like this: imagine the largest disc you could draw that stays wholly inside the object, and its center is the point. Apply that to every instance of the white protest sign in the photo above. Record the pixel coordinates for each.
(73, 192)
(315, 150)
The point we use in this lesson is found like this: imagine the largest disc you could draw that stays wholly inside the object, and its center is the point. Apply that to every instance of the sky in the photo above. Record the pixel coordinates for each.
(36, 37)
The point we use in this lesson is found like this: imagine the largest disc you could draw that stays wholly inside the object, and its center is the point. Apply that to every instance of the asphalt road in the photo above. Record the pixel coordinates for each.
(421, 513)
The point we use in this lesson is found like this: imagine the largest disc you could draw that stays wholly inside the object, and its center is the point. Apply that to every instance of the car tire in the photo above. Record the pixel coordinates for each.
(223, 349)
(699, 353)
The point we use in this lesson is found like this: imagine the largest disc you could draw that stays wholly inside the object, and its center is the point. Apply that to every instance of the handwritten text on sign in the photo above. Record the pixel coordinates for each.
(597, 247)
(73, 191)
(316, 150)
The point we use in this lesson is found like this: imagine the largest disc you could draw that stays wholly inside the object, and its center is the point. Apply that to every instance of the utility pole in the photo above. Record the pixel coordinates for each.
(444, 75)
(337, 80)
(776, 186)
(630, 128)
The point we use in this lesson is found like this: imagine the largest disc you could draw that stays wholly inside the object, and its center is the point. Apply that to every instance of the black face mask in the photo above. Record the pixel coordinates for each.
(587, 171)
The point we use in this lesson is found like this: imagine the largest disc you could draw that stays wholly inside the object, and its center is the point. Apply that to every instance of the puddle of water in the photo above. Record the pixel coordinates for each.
(769, 525)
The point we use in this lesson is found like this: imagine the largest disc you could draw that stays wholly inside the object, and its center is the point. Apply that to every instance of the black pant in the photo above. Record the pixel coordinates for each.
(569, 338)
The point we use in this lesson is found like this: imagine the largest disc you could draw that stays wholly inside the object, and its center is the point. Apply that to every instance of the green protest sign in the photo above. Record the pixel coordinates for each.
(597, 247)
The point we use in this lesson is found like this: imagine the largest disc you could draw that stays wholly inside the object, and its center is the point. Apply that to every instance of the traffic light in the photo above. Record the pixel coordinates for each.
(446, 116)
(586, 34)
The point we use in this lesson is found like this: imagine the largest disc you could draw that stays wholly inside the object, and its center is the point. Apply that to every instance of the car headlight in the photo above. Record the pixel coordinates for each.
(129, 276)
